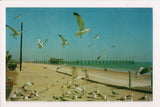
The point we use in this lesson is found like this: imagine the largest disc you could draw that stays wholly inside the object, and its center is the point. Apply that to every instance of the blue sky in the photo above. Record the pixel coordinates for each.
(128, 29)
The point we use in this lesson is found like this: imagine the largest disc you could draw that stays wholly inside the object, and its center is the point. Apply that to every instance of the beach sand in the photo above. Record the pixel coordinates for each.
(48, 82)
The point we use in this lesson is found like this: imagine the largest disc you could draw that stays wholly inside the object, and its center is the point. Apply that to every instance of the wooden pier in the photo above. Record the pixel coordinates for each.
(85, 62)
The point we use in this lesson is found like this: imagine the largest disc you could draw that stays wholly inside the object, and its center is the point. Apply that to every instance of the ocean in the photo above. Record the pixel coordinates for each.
(123, 67)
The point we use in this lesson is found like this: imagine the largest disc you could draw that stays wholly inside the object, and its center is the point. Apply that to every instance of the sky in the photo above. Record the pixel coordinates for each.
(128, 29)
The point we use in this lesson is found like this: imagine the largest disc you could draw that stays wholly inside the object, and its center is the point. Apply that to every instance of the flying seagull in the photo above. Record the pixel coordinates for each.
(143, 70)
(90, 45)
(65, 42)
(100, 56)
(18, 17)
(40, 45)
(106, 49)
(80, 22)
(96, 37)
(13, 30)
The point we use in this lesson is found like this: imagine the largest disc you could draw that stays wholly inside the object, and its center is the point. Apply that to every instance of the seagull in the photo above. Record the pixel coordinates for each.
(40, 45)
(90, 45)
(14, 95)
(130, 95)
(113, 92)
(143, 70)
(65, 42)
(106, 49)
(104, 97)
(74, 72)
(55, 97)
(100, 56)
(75, 97)
(87, 74)
(94, 95)
(96, 37)
(18, 17)
(144, 97)
(123, 98)
(13, 30)
(26, 97)
(29, 83)
(80, 22)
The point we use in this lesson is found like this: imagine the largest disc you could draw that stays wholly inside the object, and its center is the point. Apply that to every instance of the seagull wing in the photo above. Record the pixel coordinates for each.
(38, 41)
(96, 37)
(13, 30)
(106, 49)
(90, 45)
(44, 41)
(80, 21)
(17, 16)
(63, 40)
(98, 57)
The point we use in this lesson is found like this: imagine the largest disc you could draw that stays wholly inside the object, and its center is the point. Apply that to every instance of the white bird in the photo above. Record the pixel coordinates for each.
(75, 97)
(15, 33)
(144, 97)
(40, 45)
(96, 37)
(142, 70)
(100, 56)
(106, 49)
(130, 95)
(68, 92)
(74, 73)
(64, 41)
(28, 83)
(113, 92)
(87, 74)
(80, 22)
(14, 95)
(94, 95)
(18, 17)
(26, 97)
(104, 97)
(123, 98)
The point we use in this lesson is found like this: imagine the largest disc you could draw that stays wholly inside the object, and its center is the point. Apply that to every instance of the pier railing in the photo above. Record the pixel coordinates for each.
(82, 62)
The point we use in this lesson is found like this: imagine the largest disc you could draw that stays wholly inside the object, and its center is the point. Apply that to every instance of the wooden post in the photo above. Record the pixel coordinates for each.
(130, 85)
(151, 80)
(21, 46)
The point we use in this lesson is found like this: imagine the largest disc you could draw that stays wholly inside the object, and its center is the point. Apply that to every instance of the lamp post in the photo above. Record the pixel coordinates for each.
(21, 46)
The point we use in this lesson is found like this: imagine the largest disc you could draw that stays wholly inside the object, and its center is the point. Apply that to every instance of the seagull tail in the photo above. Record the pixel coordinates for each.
(78, 33)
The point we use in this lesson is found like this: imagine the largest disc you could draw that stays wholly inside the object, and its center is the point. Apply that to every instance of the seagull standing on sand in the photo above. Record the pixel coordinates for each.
(114, 93)
(40, 45)
(74, 72)
(87, 74)
(80, 22)
(144, 97)
(15, 33)
(17, 17)
(142, 70)
(106, 49)
(123, 98)
(64, 41)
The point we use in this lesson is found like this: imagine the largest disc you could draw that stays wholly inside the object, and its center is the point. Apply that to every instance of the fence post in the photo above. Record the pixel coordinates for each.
(130, 85)
(151, 80)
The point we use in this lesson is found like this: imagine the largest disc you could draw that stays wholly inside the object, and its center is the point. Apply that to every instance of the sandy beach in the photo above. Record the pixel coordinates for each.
(48, 83)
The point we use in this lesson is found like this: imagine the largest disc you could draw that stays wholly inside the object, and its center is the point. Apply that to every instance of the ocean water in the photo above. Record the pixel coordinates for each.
(124, 67)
